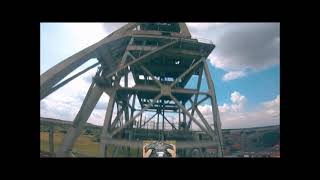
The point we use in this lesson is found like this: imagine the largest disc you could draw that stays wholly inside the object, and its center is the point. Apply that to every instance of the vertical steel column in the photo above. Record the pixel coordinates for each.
(140, 119)
(179, 119)
(163, 119)
(162, 122)
(134, 117)
(117, 119)
(158, 121)
(189, 115)
(184, 119)
(51, 140)
(133, 105)
(196, 95)
(115, 151)
(126, 101)
(90, 101)
(215, 111)
(107, 120)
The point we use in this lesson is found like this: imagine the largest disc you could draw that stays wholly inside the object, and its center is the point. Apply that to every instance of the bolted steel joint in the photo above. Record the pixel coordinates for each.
(165, 90)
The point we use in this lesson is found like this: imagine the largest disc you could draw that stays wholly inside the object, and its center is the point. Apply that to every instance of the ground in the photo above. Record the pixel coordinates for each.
(83, 145)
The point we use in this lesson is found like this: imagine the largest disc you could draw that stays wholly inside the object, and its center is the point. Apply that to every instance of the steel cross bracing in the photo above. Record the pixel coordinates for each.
(161, 66)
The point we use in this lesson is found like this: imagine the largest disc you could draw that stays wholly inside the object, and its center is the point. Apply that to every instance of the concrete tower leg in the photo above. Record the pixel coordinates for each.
(84, 113)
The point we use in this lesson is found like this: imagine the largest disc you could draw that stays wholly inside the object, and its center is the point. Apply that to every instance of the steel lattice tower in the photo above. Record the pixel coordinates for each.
(162, 58)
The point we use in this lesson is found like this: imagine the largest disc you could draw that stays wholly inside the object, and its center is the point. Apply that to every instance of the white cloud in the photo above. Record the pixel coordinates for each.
(103, 101)
(224, 108)
(233, 75)
(272, 103)
(236, 97)
(83, 35)
(205, 109)
(65, 110)
(238, 101)
(248, 45)
(273, 107)
(131, 82)
(66, 106)
(111, 27)
(198, 30)
(241, 47)
(267, 114)
(65, 102)
(234, 115)
(97, 117)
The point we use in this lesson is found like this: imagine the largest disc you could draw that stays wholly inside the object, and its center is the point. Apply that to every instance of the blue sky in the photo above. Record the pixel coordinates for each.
(244, 67)
(258, 87)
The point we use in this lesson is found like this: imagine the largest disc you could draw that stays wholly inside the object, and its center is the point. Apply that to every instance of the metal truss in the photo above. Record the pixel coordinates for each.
(128, 116)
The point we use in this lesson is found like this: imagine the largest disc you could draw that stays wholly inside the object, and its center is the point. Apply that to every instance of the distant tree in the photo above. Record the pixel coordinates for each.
(88, 131)
(44, 128)
(270, 139)
(183, 125)
(63, 131)
(96, 138)
(228, 142)
(237, 146)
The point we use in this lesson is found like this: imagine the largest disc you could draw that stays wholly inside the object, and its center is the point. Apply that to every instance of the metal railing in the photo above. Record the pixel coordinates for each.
(208, 41)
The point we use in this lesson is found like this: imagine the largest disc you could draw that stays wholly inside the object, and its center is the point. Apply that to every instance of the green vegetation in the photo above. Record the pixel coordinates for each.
(88, 142)
(85, 144)
(270, 139)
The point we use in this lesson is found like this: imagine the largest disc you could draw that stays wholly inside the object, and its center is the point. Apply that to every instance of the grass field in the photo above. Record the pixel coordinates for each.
(83, 145)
